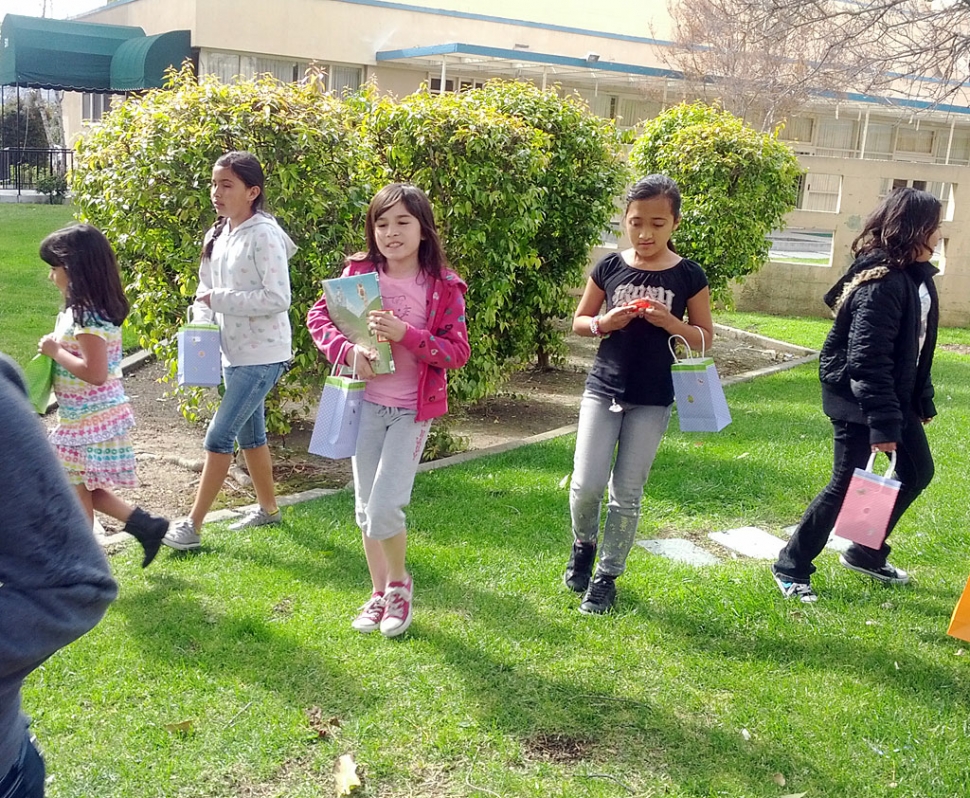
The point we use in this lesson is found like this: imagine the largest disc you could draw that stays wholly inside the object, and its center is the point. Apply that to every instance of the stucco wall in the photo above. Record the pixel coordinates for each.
(797, 289)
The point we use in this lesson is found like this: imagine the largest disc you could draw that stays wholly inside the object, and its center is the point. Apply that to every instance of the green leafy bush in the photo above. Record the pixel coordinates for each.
(142, 176)
(579, 185)
(737, 186)
(54, 185)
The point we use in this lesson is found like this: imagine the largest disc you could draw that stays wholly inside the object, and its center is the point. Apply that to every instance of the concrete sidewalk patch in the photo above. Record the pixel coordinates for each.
(749, 541)
(679, 550)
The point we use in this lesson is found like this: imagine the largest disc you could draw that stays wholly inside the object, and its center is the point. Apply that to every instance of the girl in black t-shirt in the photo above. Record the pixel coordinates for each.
(629, 392)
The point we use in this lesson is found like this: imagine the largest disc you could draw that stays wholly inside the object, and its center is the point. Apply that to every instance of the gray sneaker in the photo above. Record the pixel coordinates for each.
(257, 516)
(181, 535)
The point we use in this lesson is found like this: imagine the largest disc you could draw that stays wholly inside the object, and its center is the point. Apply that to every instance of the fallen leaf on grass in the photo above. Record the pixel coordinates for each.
(795, 795)
(184, 727)
(779, 779)
(323, 727)
(745, 734)
(345, 774)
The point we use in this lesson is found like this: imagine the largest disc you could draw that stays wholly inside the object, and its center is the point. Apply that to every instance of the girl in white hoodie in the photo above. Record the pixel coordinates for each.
(244, 287)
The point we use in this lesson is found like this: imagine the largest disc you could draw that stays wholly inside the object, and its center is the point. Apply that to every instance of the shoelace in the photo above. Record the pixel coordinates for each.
(395, 604)
(598, 591)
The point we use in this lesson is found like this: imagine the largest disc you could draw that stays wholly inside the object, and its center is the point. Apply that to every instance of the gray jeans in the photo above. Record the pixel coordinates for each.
(634, 434)
(389, 447)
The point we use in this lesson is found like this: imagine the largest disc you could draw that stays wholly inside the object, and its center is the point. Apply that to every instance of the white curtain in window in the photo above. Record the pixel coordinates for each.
(344, 78)
(837, 136)
(224, 66)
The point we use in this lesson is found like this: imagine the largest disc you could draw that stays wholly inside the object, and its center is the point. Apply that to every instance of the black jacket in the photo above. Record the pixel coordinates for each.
(871, 367)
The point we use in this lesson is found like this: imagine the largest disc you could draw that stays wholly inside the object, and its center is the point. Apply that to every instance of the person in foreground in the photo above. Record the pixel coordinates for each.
(94, 415)
(629, 391)
(55, 583)
(876, 386)
(244, 286)
(426, 328)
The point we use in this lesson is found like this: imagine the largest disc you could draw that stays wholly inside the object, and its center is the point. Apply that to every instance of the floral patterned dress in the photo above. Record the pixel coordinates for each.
(92, 435)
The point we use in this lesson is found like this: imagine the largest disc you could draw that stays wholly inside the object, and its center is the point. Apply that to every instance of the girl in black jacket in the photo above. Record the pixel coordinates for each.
(875, 373)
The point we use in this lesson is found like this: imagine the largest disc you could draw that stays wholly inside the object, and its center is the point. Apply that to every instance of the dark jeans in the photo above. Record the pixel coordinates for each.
(914, 468)
(26, 778)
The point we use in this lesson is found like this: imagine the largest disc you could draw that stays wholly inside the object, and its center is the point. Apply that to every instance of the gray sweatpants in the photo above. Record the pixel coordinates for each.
(634, 433)
(389, 446)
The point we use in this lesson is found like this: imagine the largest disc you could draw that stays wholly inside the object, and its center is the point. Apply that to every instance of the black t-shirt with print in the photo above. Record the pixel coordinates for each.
(633, 364)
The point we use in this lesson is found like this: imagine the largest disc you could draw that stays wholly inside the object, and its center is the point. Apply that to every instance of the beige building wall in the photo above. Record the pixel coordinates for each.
(797, 289)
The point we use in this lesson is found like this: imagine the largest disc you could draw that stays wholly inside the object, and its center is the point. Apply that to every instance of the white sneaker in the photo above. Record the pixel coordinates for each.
(181, 535)
(256, 516)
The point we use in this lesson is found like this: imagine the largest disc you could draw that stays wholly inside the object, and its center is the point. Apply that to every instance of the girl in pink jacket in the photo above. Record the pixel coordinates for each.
(426, 329)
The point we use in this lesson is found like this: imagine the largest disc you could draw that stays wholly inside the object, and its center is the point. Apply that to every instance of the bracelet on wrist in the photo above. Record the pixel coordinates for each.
(594, 327)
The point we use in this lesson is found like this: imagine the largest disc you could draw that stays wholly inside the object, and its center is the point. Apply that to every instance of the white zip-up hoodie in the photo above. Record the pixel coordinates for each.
(249, 280)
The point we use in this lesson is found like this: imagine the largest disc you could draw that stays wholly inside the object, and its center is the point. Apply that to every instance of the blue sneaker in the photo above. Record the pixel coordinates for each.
(800, 590)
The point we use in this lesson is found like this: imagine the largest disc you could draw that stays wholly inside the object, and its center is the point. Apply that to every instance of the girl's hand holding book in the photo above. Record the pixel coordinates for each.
(386, 326)
(49, 346)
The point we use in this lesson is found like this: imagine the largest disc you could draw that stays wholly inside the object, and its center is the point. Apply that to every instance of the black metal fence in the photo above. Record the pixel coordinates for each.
(22, 168)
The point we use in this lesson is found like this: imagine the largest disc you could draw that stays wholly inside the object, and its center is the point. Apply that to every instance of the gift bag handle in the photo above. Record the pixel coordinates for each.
(353, 371)
(670, 343)
(892, 463)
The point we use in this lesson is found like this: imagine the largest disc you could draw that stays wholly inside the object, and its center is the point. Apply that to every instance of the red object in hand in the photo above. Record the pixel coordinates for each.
(640, 304)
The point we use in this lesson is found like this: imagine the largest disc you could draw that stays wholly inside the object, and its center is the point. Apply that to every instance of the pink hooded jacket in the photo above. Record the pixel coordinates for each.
(446, 348)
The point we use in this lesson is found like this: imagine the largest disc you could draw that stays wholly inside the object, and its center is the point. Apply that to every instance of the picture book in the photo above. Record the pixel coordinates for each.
(349, 300)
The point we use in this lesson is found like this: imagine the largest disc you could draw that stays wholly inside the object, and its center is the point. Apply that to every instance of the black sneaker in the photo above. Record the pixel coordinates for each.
(600, 597)
(579, 569)
(887, 573)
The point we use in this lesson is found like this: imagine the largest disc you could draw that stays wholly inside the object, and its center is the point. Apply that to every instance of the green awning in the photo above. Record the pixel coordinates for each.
(83, 56)
(141, 63)
(59, 54)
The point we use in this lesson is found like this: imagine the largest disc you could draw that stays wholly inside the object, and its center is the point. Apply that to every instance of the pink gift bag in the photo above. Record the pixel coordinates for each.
(868, 503)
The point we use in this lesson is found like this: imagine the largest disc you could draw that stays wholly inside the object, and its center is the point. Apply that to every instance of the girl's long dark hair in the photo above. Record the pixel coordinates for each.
(431, 255)
(247, 168)
(656, 186)
(900, 226)
(93, 280)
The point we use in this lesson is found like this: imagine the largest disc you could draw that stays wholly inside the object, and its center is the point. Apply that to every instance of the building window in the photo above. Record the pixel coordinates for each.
(453, 84)
(344, 78)
(820, 192)
(804, 246)
(94, 106)
(837, 137)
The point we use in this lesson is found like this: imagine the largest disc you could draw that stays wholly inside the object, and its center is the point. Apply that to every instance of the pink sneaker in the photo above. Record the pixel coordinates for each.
(397, 608)
(371, 614)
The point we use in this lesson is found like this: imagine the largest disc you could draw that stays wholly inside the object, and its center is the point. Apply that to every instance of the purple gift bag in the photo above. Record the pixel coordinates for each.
(338, 418)
(868, 503)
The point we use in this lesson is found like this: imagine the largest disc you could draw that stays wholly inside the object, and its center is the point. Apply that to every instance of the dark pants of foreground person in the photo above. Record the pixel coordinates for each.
(914, 468)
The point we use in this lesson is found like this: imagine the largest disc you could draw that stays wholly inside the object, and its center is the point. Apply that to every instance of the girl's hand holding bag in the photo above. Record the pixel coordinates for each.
(199, 361)
(701, 406)
(338, 417)
(39, 376)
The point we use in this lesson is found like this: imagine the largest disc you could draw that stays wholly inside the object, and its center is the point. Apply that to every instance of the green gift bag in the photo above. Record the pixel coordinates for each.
(39, 376)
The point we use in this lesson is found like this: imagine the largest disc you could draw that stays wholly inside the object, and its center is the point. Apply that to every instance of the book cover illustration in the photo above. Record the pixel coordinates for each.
(349, 300)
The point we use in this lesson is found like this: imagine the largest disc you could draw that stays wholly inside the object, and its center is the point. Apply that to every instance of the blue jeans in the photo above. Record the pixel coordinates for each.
(242, 412)
(914, 468)
(26, 778)
(634, 434)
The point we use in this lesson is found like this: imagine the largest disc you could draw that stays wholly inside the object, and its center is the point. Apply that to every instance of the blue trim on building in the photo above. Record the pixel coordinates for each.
(522, 23)
(459, 48)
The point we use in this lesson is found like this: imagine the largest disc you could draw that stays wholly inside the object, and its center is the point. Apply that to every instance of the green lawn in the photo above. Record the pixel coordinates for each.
(235, 672)
(28, 301)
